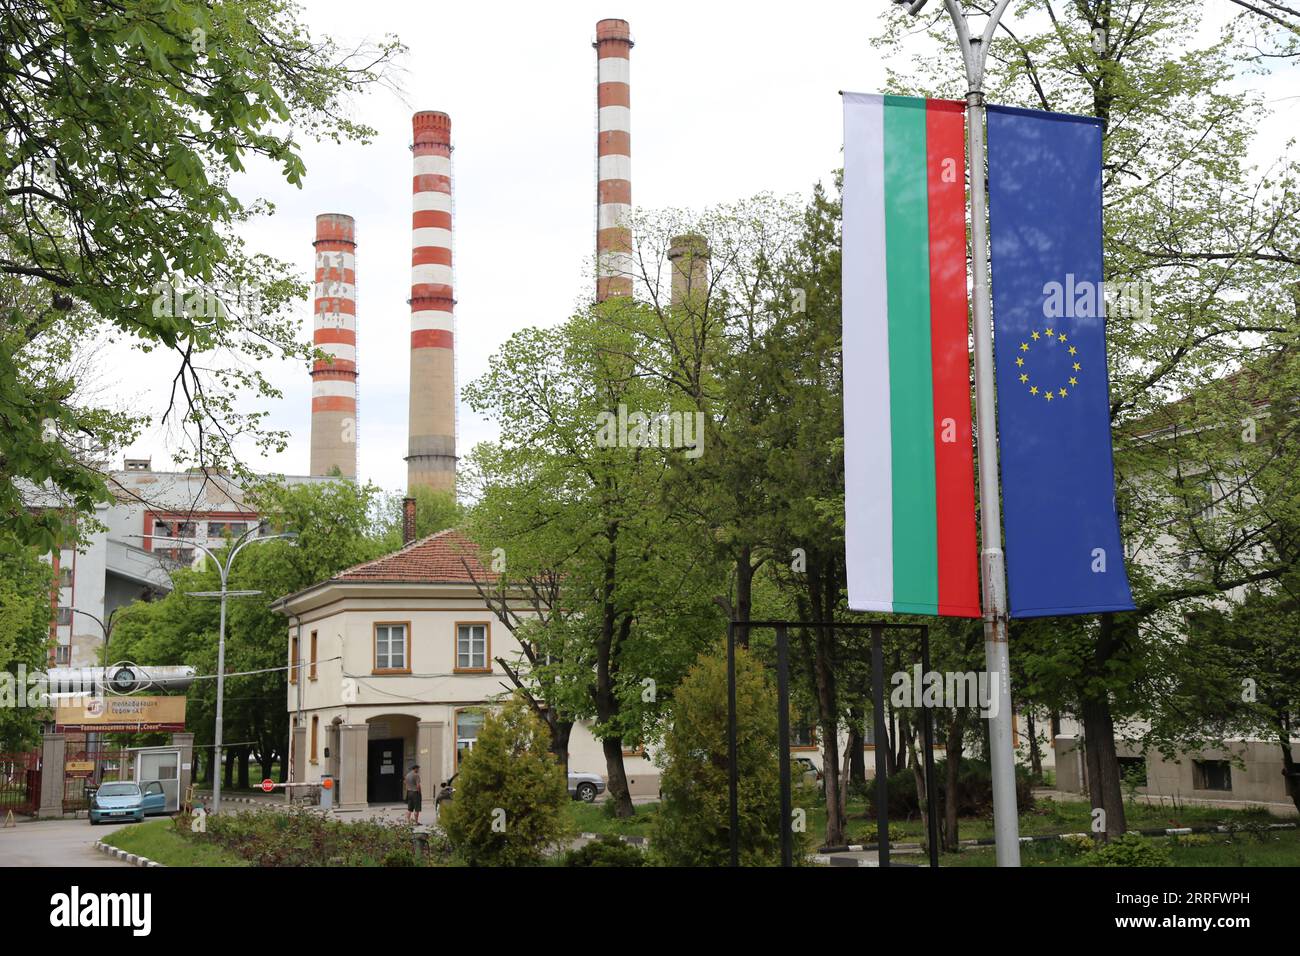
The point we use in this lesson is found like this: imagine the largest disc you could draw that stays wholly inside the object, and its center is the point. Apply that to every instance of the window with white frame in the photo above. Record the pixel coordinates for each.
(471, 647)
(468, 724)
(390, 647)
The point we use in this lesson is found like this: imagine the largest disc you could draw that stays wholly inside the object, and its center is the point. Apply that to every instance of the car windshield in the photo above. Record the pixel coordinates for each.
(119, 790)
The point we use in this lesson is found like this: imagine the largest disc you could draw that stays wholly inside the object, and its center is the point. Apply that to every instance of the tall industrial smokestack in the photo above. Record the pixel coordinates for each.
(431, 455)
(688, 257)
(334, 383)
(614, 159)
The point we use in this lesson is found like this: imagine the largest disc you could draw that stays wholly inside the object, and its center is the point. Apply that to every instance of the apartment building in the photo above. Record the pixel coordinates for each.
(115, 564)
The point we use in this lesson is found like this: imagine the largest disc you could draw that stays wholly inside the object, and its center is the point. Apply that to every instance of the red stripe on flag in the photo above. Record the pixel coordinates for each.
(958, 556)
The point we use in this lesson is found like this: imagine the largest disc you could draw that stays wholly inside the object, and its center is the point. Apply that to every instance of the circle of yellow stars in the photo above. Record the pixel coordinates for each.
(1056, 339)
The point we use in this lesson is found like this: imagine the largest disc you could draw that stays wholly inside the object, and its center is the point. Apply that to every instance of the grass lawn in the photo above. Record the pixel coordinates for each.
(1282, 848)
(159, 841)
(592, 818)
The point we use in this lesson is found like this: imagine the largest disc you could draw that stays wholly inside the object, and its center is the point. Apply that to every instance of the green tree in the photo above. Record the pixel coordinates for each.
(25, 618)
(693, 826)
(511, 793)
(333, 524)
(1211, 241)
(123, 125)
(561, 495)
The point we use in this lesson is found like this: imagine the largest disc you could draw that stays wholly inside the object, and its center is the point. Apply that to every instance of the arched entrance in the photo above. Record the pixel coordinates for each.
(391, 748)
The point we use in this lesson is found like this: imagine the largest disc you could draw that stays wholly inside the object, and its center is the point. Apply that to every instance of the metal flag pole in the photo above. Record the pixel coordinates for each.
(974, 51)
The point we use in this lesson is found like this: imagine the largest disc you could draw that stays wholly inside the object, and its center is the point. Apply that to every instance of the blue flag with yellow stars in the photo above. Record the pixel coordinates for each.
(1063, 548)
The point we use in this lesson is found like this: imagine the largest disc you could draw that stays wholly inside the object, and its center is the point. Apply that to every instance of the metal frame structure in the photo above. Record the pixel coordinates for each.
(782, 631)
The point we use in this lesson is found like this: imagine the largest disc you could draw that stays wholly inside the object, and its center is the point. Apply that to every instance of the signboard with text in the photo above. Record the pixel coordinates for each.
(135, 714)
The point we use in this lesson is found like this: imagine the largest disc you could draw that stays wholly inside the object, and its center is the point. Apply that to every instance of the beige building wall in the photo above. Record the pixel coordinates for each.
(424, 708)
(1254, 771)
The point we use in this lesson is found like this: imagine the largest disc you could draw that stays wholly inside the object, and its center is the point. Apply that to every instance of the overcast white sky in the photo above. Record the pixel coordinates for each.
(728, 99)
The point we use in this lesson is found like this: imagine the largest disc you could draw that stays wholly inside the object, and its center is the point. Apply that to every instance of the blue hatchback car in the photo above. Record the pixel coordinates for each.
(123, 800)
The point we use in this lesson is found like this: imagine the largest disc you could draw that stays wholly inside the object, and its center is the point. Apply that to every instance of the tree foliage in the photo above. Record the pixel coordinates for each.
(121, 125)
(510, 793)
(693, 826)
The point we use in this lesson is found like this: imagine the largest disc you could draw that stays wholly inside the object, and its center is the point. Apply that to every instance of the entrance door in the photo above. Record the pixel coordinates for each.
(385, 771)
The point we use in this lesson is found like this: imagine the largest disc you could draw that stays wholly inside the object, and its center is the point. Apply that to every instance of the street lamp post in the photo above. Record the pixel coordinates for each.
(105, 626)
(974, 51)
(225, 592)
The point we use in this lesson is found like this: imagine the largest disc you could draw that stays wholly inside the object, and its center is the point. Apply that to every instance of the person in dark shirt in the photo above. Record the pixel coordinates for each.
(414, 795)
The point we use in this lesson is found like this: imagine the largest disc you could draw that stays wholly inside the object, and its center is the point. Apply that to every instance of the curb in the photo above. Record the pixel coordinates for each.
(991, 841)
(130, 858)
(634, 840)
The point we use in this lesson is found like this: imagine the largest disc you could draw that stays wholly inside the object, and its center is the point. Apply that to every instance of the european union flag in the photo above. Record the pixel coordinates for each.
(1063, 548)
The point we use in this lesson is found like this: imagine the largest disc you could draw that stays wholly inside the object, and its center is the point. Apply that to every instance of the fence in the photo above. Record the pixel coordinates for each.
(20, 783)
(87, 763)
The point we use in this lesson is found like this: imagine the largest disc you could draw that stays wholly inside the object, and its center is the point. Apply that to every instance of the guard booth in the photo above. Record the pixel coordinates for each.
(161, 765)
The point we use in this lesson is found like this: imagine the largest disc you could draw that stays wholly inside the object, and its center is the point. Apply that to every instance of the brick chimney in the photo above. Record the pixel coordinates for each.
(408, 520)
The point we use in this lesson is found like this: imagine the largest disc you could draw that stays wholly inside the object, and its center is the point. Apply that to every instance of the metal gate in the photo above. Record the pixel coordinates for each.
(20, 783)
(89, 761)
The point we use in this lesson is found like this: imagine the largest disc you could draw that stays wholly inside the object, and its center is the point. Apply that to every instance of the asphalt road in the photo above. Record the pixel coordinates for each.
(56, 843)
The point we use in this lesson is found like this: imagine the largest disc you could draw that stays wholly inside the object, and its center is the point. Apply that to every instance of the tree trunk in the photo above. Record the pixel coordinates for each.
(918, 777)
(952, 757)
(1289, 766)
(891, 731)
(744, 592)
(827, 704)
(614, 631)
(1104, 781)
(1104, 787)
(228, 768)
(857, 752)
(618, 791)
(1035, 756)
(561, 730)
(243, 768)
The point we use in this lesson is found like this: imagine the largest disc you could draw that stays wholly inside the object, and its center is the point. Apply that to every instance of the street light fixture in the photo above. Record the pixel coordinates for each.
(974, 51)
(105, 626)
(224, 593)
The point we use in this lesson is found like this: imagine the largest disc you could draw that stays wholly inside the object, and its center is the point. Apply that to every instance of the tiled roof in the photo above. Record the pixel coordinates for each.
(438, 559)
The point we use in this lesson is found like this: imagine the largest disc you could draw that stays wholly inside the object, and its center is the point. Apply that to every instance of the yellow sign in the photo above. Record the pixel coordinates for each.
(79, 766)
(122, 714)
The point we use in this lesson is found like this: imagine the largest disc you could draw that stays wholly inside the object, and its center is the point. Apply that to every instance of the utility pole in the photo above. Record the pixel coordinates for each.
(225, 592)
(974, 51)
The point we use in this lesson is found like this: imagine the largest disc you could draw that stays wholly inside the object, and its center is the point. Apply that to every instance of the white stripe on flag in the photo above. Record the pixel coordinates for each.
(868, 482)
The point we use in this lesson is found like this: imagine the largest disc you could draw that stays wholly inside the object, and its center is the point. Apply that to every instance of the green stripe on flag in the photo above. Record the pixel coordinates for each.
(911, 397)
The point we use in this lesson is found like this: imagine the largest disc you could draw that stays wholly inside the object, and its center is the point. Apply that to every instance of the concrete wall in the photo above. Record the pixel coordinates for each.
(1256, 772)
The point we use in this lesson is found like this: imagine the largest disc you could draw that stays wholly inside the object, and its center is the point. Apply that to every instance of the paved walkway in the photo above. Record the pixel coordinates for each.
(56, 843)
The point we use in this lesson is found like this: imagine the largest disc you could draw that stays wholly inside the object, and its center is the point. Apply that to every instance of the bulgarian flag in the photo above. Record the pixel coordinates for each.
(909, 479)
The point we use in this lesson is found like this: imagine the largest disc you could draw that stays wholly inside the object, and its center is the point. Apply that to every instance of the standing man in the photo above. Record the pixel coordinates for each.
(414, 795)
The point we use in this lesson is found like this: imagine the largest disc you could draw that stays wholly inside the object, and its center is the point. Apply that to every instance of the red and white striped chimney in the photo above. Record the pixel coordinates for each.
(614, 159)
(431, 452)
(334, 383)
